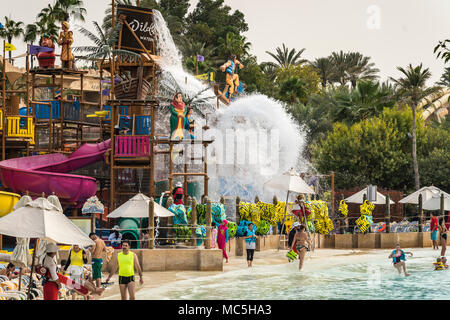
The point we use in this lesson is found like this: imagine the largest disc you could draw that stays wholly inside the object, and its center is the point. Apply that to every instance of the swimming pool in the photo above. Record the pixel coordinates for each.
(352, 275)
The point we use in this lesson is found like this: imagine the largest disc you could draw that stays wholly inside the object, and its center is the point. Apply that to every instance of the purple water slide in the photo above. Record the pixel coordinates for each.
(48, 173)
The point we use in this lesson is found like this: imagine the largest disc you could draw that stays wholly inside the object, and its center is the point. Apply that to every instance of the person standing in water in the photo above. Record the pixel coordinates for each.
(302, 244)
(222, 238)
(126, 262)
(398, 258)
(443, 236)
(250, 244)
(97, 262)
(434, 227)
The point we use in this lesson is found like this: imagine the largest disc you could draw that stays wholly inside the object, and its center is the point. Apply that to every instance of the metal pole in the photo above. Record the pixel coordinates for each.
(151, 224)
(194, 219)
(420, 213)
(388, 214)
(284, 219)
(36, 246)
(4, 103)
(208, 223)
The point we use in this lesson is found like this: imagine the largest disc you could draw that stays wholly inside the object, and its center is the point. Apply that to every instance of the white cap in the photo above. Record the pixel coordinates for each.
(116, 227)
(179, 185)
(296, 224)
(52, 247)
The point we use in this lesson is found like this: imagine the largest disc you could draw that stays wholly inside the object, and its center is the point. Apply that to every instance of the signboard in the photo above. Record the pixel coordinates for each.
(140, 21)
(86, 224)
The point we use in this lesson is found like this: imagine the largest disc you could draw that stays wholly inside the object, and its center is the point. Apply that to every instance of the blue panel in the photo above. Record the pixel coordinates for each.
(143, 125)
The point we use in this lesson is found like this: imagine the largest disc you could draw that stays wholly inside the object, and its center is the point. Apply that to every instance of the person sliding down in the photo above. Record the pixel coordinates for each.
(232, 78)
(398, 258)
(302, 244)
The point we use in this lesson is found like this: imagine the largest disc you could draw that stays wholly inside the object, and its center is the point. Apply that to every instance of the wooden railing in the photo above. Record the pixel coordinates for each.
(20, 127)
(132, 146)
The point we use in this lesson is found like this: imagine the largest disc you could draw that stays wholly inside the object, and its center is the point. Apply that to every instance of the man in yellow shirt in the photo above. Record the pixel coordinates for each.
(126, 261)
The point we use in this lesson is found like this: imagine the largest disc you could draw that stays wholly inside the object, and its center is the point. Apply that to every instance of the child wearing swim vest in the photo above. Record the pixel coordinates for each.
(440, 264)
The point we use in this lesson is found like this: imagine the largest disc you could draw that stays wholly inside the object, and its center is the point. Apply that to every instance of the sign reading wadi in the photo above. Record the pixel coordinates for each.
(140, 21)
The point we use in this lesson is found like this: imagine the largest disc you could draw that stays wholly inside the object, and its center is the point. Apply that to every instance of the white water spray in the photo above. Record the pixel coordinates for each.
(279, 140)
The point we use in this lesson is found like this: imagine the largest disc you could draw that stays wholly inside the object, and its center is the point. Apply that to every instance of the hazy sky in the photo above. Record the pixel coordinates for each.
(392, 32)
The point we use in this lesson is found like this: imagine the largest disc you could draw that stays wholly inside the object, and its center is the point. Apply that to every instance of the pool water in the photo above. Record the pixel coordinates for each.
(354, 275)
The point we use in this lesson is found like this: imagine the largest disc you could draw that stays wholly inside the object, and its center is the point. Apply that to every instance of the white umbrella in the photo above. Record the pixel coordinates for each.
(21, 256)
(93, 205)
(55, 201)
(137, 207)
(359, 198)
(41, 219)
(426, 192)
(434, 203)
(289, 181)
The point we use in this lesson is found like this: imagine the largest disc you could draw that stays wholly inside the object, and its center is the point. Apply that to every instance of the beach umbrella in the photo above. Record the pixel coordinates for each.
(434, 203)
(93, 205)
(291, 182)
(41, 219)
(358, 197)
(138, 207)
(21, 256)
(426, 192)
(53, 199)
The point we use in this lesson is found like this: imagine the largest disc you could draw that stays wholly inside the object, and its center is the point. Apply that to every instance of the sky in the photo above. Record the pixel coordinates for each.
(392, 32)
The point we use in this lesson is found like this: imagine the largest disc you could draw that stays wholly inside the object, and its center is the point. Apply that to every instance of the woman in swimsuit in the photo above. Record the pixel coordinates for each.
(398, 258)
(302, 245)
(443, 232)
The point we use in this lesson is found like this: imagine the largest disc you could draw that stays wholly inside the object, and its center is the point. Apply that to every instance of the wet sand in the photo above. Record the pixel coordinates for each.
(268, 257)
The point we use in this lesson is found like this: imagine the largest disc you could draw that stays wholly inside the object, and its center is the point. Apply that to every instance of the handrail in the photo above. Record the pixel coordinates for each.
(132, 146)
(15, 130)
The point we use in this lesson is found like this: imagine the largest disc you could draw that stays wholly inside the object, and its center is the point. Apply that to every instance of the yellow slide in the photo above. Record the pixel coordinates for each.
(7, 202)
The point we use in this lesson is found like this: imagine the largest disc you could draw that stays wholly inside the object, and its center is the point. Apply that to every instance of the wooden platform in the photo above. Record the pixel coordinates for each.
(57, 71)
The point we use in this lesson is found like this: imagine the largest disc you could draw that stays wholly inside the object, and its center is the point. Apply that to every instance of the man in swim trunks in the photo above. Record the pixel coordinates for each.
(97, 262)
(398, 258)
(126, 261)
(302, 244)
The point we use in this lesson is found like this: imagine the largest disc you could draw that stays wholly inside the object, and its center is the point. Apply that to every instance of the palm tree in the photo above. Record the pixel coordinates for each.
(285, 57)
(233, 44)
(412, 88)
(11, 29)
(359, 68)
(340, 61)
(293, 88)
(325, 69)
(69, 8)
(38, 29)
(445, 78)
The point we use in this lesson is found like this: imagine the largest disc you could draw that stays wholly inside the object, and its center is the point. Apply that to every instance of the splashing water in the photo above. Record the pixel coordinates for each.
(255, 140)
(279, 140)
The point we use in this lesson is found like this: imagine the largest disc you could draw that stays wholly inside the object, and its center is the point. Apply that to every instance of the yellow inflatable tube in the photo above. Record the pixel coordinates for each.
(7, 202)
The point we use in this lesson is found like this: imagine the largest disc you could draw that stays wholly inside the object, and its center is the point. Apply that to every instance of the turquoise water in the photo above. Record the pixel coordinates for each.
(357, 275)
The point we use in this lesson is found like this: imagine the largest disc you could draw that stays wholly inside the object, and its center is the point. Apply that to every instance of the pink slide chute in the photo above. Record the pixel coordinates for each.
(49, 173)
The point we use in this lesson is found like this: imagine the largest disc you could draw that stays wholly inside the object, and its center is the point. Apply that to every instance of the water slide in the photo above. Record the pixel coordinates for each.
(49, 173)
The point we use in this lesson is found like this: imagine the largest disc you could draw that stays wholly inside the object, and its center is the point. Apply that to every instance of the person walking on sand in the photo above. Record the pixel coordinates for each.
(97, 249)
(434, 226)
(443, 236)
(213, 235)
(302, 244)
(222, 238)
(398, 258)
(250, 244)
(126, 262)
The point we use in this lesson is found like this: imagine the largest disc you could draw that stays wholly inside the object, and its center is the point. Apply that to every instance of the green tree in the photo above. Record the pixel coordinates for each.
(306, 74)
(359, 68)
(325, 69)
(11, 29)
(233, 44)
(377, 151)
(292, 89)
(38, 29)
(285, 57)
(70, 8)
(442, 50)
(412, 88)
(445, 78)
